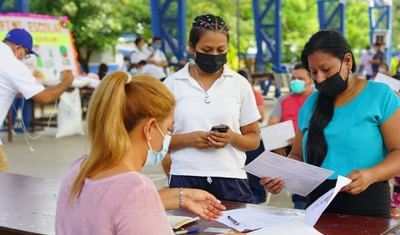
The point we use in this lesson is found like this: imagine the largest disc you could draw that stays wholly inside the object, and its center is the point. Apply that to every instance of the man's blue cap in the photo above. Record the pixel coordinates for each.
(21, 37)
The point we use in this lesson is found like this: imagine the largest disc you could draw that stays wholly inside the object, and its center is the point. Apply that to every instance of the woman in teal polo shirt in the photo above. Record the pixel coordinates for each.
(350, 126)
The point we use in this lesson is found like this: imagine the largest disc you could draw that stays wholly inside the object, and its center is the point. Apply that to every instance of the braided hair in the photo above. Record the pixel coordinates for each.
(204, 23)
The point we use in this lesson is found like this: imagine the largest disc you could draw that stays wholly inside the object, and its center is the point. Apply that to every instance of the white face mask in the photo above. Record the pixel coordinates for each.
(154, 157)
(371, 51)
(382, 70)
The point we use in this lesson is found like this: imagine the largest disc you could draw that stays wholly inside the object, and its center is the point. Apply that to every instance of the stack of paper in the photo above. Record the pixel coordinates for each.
(251, 219)
(178, 221)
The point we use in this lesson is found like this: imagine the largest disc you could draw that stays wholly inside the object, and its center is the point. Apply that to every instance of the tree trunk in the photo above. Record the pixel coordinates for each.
(84, 58)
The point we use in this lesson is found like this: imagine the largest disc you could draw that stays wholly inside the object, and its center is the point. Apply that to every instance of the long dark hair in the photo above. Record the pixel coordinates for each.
(333, 43)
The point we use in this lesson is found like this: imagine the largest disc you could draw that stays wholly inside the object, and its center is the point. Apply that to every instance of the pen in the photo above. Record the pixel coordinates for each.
(233, 220)
(189, 230)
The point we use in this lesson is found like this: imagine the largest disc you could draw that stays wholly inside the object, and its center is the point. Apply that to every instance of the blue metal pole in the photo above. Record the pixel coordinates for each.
(371, 24)
(336, 20)
(278, 36)
(257, 27)
(168, 20)
(268, 35)
(342, 10)
(321, 14)
(181, 50)
(155, 18)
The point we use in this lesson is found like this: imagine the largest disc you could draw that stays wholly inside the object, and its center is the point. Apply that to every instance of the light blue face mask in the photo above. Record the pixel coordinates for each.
(157, 46)
(297, 86)
(154, 157)
(134, 71)
(371, 51)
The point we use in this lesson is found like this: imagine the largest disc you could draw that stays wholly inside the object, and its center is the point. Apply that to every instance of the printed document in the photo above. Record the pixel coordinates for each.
(300, 178)
(392, 82)
(314, 211)
(277, 136)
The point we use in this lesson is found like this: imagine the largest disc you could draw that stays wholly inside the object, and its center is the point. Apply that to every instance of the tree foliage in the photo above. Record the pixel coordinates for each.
(98, 24)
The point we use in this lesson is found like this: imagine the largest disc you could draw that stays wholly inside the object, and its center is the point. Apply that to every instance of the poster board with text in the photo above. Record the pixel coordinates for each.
(52, 41)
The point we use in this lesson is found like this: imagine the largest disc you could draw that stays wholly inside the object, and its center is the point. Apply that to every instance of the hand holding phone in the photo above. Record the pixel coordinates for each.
(222, 129)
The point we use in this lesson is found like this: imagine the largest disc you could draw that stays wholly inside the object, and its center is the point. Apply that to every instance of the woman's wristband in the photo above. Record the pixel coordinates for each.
(180, 198)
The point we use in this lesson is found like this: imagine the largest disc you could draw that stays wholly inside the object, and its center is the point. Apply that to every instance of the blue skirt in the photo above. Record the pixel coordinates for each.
(230, 189)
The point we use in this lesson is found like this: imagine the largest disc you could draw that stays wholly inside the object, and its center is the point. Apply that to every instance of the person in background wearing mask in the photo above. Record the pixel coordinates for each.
(366, 64)
(208, 94)
(384, 69)
(15, 77)
(342, 129)
(157, 57)
(287, 108)
(104, 192)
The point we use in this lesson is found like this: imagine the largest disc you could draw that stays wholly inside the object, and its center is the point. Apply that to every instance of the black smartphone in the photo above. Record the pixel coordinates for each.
(222, 129)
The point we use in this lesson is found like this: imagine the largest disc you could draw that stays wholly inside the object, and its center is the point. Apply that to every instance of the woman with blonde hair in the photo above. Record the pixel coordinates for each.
(104, 191)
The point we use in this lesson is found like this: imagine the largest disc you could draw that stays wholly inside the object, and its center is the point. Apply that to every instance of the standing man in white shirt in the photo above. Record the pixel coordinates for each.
(157, 57)
(15, 77)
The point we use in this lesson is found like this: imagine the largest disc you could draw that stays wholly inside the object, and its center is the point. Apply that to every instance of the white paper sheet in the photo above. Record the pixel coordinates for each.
(300, 178)
(315, 210)
(251, 219)
(393, 83)
(277, 136)
(291, 228)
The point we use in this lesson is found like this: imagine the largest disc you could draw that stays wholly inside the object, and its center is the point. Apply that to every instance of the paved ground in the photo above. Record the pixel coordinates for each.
(50, 158)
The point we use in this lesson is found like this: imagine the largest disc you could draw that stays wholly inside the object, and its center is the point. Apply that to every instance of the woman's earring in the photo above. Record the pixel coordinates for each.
(349, 75)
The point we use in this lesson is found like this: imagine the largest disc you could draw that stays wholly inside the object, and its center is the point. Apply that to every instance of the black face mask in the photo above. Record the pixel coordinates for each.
(210, 63)
(333, 85)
